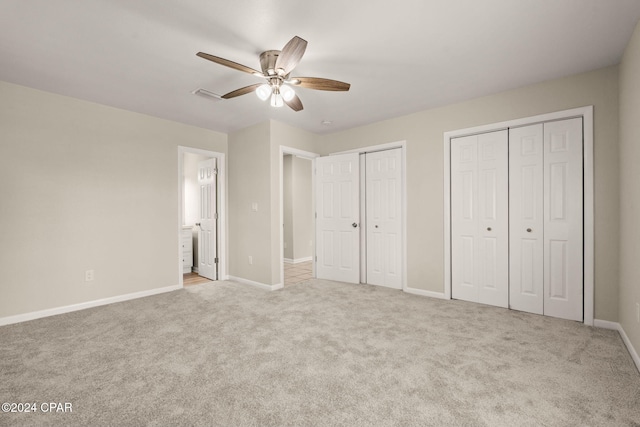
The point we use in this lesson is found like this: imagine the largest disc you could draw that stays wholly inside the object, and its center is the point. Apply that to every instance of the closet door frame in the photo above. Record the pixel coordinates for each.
(586, 113)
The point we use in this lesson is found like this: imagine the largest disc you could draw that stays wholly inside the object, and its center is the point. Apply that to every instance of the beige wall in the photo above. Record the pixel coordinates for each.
(630, 189)
(254, 176)
(297, 207)
(423, 132)
(288, 136)
(85, 186)
(302, 208)
(249, 182)
(287, 203)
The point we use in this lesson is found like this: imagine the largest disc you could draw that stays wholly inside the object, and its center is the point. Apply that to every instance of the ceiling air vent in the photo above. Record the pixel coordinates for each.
(207, 94)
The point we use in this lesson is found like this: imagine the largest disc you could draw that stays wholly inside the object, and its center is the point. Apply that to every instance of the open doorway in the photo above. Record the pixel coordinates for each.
(297, 216)
(201, 216)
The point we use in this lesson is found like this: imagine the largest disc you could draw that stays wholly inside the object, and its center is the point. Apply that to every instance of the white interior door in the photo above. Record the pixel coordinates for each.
(207, 248)
(337, 218)
(493, 218)
(464, 225)
(479, 218)
(383, 218)
(526, 221)
(563, 219)
(546, 219)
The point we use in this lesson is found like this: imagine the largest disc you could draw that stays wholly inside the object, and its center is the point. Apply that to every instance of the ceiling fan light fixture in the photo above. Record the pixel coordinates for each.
(287, 93)
(277, 66)
(276, 100)
(263, 92)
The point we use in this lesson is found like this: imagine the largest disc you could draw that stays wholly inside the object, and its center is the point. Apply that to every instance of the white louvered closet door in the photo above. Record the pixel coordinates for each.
(479, 218)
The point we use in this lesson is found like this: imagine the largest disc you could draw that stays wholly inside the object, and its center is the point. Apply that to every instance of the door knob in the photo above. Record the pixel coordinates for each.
(488, 228)
(376, 226)
(197, 224)
(528, 230)
(354, 225)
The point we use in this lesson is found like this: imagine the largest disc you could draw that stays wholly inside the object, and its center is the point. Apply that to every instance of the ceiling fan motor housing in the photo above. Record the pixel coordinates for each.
(268, 60)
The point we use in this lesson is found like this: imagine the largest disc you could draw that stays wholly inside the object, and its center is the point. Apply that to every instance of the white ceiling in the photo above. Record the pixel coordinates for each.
(400, 56)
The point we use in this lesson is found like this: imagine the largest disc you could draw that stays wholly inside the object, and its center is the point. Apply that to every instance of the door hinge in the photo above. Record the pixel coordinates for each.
(316, 258)
(316, 215)
(215, 215)
(215, 171)
(215, 260)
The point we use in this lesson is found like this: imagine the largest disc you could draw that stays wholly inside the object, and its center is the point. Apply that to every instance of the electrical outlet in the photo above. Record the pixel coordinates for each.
(638, 312)
(89, 275)
(250, 260)
(254, 206)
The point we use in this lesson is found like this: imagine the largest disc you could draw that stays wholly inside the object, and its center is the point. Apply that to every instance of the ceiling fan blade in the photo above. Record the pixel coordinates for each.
(242, 91)
(295, 103)
(230, 64)
(320, 84)
(290, 55)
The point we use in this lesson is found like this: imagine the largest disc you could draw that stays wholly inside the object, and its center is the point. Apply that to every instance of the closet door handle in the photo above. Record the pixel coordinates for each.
(528, 230)
(488, 228)
(354, 225)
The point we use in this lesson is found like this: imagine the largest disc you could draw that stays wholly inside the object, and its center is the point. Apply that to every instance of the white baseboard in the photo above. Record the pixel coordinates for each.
(83, 305)
(297, 260)
(256, 284)
(422, 292)
(605, 324)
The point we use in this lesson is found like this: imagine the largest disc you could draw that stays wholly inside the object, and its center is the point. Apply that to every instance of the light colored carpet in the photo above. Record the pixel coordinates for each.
(317, 353)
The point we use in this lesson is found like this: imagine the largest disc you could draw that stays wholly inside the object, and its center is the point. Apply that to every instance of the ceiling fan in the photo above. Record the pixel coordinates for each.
(276, 69)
